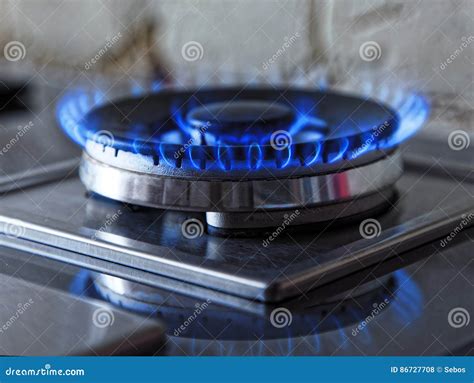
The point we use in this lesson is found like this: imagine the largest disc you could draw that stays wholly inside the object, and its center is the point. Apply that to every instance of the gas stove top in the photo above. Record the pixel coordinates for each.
(286, 238)
(225, 151)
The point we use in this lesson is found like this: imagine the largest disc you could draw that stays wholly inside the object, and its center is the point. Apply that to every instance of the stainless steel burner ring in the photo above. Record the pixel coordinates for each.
(213, 195)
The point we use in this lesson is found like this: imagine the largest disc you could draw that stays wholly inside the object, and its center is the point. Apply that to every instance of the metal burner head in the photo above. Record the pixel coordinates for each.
(227, 151)
(238, 122)
(232, 133)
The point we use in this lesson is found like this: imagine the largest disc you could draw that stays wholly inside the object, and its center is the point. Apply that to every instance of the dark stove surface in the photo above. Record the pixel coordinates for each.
(412, 318)
(429, 204)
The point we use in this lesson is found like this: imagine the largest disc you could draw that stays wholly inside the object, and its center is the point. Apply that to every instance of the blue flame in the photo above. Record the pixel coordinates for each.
(224, 156)
(412, 113)
(343, 146)
(366, 336)
(316, 342)
(137, 90)
(408, 300)
(343, 338)
(80, 282)
(284, 158)
(195, 156)
(164, 155)
(254, 156)
(303, 121)
(312, 155)
(156, 86)
(309, 146)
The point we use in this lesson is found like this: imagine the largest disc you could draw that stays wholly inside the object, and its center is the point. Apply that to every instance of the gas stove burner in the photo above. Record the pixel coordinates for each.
(246, 157)
(235, 134)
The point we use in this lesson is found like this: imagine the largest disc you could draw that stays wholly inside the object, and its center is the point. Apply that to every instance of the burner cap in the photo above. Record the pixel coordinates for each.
(239, 122)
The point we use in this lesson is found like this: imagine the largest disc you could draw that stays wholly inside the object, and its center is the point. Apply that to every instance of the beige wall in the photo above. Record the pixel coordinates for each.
(239, 37)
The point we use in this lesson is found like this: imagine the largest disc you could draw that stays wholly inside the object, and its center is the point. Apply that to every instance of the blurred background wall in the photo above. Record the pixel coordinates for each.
(428, 44)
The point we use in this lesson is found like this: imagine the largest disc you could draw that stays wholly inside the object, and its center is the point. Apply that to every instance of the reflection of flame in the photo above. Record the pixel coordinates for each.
(406, 299)
(405, 305)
